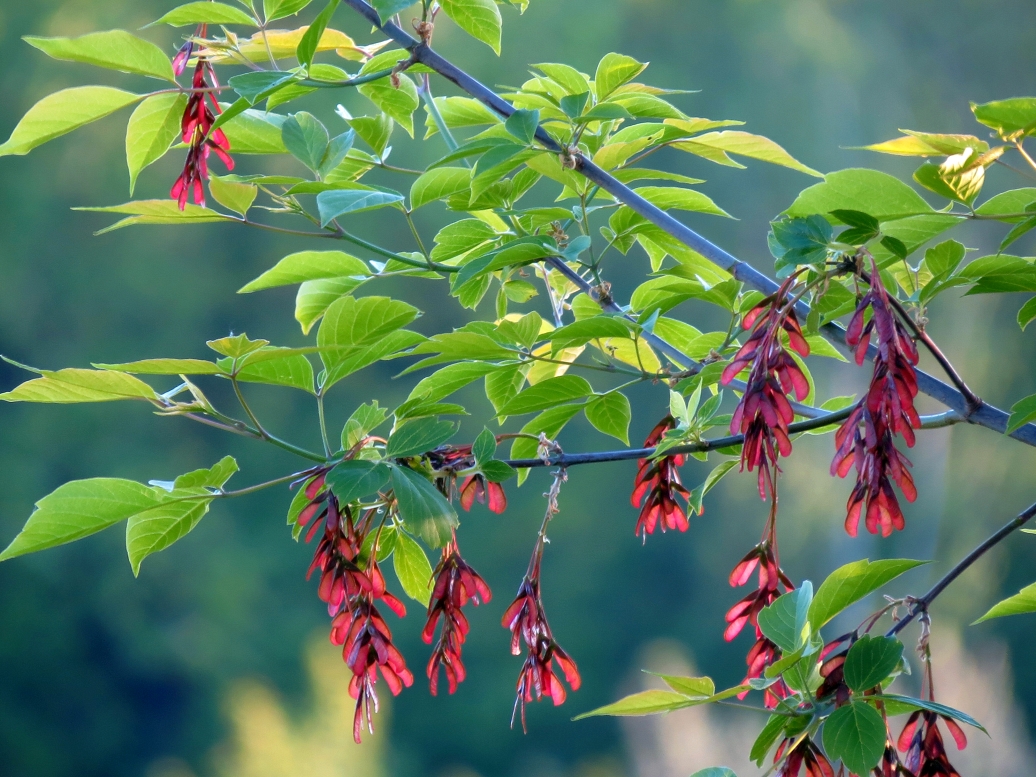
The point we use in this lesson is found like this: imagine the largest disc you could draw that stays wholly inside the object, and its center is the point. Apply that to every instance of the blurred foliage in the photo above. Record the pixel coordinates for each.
(104, 674)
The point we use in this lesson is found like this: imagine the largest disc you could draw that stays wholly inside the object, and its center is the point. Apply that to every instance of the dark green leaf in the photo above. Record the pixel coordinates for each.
(895, 246)
(786, 621)
(931, 706)
(573, 104)
(332, 204)
(354, 479)
(419, 436)
(523, 124)
(855, 733)
(484, 447)
(258, 84)
(388, 8)
(767, 737)
(423, 508)
(551, 392)
(870, 661)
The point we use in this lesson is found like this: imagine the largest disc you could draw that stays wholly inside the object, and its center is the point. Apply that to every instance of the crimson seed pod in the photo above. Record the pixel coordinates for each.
(658, 481)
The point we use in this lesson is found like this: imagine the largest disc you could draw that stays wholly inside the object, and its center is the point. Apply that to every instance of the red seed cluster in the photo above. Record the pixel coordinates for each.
(527, 622)
(196, 128)
(658, 480)
(922, 745)
(765, 412)
(771, 579)
(477, 488)
(804, 754)
(351, 585)
(456, 583)
(867, 438)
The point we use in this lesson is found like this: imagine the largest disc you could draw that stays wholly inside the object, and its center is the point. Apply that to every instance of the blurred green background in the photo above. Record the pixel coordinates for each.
(214, 661)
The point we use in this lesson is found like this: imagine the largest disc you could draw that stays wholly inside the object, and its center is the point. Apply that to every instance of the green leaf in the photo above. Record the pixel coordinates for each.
(165, 367)
(1022, 412)
(715, 771)
(178, 513)
(754, 147)
(1011, 118)
(115, 50)
(332, 204)
(62, 112)
(400, 101)
(77, 385)
(79, 509)
(871, 660)
(353, 479)
(942, 260)
(234, 196)
(306, 138)
(419, 436)
(449, 379)
(351, 323)
(364, 420)
(355, 359)
(308, 266)
(307, 47)
(236, 346)
(610, 413)
(423, 508)
(277, 367)
(770, 733)
(438, 184)
(613, 71)
(484, 447)
(855, 733)
(255, 132)
(497, 471)
(412, 568)
(479, 18)
(153, 126)
(215, 476)
(689, 686)
(256, 85)
(643, 703)
(204, 12)
(852, 582)
(582, 332)
(786, 621)
(671, 198)
(931, 706)
(314, 298)
(962, 187)
(158, 212)
(523, 124)
(388, 8)
(551, 392)
(1027, 313)
(1010, 204)
(1021, 603)
(878, 194)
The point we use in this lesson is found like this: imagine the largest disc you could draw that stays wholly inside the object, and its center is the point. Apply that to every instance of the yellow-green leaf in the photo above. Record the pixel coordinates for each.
(152, 128)
(479, 18)
(62, 112)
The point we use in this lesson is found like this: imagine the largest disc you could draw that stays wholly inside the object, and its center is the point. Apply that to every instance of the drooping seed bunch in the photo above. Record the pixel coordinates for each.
(196, 127)
(658, 480)
(351, 585)
(867, 437)
(772, 583)
(765, 412)
(527, 622)
(456, 583)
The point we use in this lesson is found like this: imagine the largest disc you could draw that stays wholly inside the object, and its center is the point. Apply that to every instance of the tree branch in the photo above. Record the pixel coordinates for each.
(921, 605)
(598, 457)
(987, 415)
